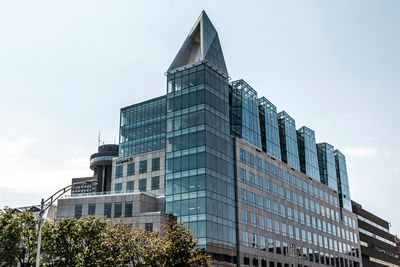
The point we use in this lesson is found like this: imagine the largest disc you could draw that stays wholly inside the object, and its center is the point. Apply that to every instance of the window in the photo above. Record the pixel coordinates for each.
(283, 211)
(107, 210)
(289, 213)
(254, 240)
(296, 215)
(288, 194)
(155, 164)
(118, 171)
(299, 184)
(281, 192)
(253, 219)
(242, 175)
(261, 222)
(129, 186)
(155, 183)
(262, 242)
(297, 233)
(274, 189)
(267, 187)
(259, 164)
(266, 167)
(242, 156)
(92, 209)
(276, 227)
(280, 174)
(290, 231)
(293, 180)
(142, 185)
(271, 245)
(131, 169)
(305, 186)
(148, 227)
(259, 183)
(251, 159)
(261, 202)
(244, 195)
(273, 171)
(118, 187)
(269, 225)
(143, 166)
(283, 229)
(128, 209)
(251, 179)
(278, 246)
(303, 236)
(268, 204)
(276, 208)
(245, 239)
(252, 199)
(78, 211)
(117, 209)
(301, 200)
(310, 189)
(244, 217)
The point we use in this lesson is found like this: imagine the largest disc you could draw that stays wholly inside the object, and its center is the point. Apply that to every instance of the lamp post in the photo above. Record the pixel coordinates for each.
(49, 202)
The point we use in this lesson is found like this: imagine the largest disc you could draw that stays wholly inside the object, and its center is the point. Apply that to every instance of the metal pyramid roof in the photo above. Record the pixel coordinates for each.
(201, 44)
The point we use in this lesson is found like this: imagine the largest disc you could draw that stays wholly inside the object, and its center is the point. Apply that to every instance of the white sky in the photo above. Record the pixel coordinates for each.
(67, 67)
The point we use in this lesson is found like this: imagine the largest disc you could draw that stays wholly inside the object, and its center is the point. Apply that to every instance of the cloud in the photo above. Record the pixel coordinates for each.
(360, 152)
(396, 169)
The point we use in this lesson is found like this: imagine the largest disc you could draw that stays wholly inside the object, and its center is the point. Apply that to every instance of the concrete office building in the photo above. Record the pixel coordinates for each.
(210, 152)
(378, 245)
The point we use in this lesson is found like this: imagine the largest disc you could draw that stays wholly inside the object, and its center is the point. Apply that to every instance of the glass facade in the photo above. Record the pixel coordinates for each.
(244, 113)
(142, 127)
(269, 128)
(199, 157)
(288, 140)
(327, 168)
(343, 181)
(308, 152)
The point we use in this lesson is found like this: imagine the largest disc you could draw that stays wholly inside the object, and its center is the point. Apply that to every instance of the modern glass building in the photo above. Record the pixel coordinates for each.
(343, 181)
(308, 152)
(142, 127)
(327, 168)
(253, 189)
(269, 128)
(288, 139)
(245, 122)
(199, 159)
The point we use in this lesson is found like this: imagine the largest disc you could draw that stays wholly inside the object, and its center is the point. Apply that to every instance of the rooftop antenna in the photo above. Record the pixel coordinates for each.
(98, 140)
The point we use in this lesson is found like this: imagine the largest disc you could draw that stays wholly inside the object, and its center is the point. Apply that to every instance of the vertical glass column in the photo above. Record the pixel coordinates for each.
(288, 139)
(269, 128)
(308, 152)
(343, 181)
(199, 156)
(244, 113)
(326, 163)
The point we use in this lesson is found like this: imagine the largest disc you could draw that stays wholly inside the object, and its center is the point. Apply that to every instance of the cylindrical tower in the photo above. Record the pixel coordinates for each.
(101, 164)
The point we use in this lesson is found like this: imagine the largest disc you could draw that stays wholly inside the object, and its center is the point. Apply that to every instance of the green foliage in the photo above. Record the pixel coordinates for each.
(73, 242)
(96, 242)
(18, 236)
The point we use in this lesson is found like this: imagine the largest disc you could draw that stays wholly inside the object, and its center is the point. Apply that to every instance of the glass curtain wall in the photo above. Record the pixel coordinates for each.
(326, 163)
(244, 113)
(308, 152)
(269, 128)
(288, 139)
(343, 181)
(199, 156)
(142, 127)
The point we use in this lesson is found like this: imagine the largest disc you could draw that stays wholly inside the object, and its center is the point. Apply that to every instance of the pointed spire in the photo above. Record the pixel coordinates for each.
(202, 44)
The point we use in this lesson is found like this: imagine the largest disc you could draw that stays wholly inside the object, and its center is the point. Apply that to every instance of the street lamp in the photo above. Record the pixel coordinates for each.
(49, 202)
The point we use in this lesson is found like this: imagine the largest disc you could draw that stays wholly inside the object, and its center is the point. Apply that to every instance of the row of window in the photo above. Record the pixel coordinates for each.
(271, 170)
(259, 241)
(287, 230)
(142, 185)
(155, 166)
(107, 210)
(291, 250)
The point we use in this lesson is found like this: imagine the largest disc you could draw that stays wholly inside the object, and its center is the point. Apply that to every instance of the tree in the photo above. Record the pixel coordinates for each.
(73, 242)
(18, 237)
(181, 247)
